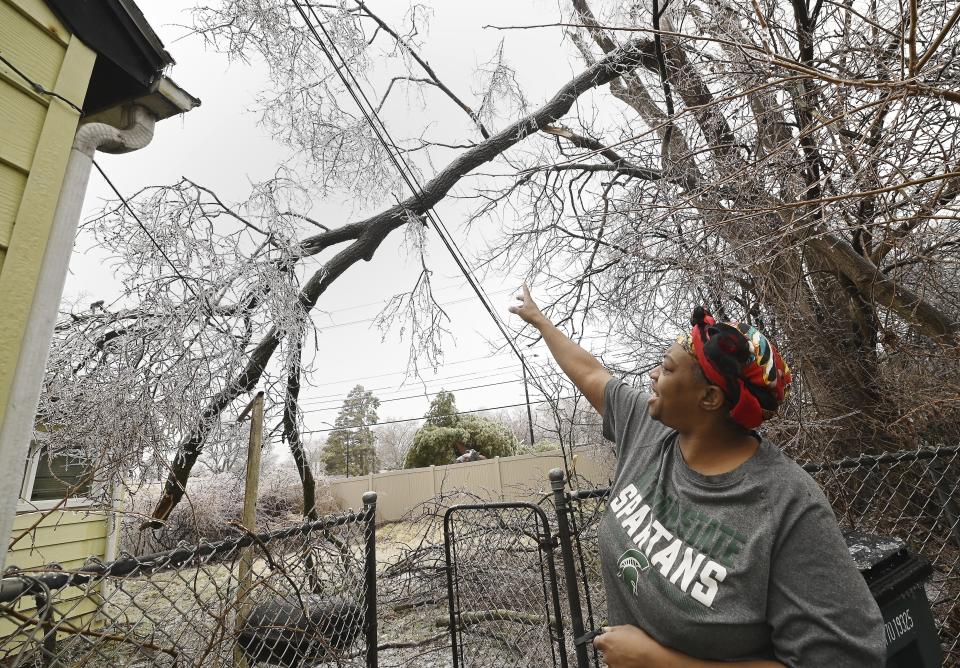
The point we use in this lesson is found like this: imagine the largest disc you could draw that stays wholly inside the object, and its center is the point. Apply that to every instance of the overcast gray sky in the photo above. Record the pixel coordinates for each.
(221, 145)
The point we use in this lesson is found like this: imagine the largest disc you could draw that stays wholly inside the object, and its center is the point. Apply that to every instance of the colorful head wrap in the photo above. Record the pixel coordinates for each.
(743, 363)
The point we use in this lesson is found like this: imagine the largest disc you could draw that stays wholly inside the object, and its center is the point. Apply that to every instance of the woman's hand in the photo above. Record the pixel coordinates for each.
(527, 309)
(629, 647)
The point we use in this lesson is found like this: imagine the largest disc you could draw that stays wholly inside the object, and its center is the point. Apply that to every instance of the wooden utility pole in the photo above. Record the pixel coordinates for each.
(526, 392)
(250, 491)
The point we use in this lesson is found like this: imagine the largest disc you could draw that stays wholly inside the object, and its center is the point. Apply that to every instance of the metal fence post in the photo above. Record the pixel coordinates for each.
(451, 596)
(569, 570)
(48, 645)
(370, 576)
(547, 545)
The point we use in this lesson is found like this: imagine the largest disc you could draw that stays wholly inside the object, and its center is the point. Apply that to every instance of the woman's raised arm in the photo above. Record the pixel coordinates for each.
(583, 369)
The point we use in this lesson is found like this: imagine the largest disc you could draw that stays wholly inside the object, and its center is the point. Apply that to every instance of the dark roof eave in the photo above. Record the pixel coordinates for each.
(146, 32)
(118, 30)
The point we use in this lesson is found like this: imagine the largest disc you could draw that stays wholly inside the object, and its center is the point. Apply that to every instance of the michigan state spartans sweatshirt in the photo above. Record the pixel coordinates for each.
(748, 564)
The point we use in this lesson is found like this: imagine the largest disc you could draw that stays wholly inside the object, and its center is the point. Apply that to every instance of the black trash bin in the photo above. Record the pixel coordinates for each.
(300, 630)
(895, 576)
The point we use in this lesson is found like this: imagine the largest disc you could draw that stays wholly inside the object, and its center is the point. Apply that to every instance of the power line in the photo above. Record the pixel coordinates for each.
(37, 88)
(497, 371)
(353, 379)
(402, 372)
(144, 228)
(375, 318)
(336, 399)
(423, 395)
(408, 176)
(387, 301)
(478, 410)
(391, 390)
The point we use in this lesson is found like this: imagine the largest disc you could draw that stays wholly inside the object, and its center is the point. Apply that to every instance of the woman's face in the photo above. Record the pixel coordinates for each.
(677, 389)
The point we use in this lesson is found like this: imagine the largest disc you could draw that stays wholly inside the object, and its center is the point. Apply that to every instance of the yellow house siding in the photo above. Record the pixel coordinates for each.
(66, 537)
(63, 536)
(16, 637)
(36, 52)
(21, 119)
(38, 13)
(12, 183)
(33, 164)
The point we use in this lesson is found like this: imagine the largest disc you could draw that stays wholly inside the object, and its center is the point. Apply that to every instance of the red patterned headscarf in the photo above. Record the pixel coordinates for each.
(743, 363)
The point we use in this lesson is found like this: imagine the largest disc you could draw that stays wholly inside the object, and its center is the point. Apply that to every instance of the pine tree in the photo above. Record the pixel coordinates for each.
(436, 442)
(350, 446)
(442, 411)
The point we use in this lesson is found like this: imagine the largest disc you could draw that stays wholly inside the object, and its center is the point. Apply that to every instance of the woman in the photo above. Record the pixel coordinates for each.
(715, 547)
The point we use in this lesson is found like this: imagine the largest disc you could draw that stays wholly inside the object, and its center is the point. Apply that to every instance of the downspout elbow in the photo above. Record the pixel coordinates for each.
(92, 137)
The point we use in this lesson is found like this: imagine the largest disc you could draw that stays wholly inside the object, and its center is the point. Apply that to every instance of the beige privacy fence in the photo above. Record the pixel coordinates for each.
(519, 478)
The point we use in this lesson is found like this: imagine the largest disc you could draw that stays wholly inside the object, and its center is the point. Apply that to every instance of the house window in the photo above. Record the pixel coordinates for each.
(48, 480)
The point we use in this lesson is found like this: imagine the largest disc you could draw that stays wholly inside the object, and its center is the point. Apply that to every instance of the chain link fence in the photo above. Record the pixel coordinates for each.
(302, 595)
(457, 582)
(913, 496)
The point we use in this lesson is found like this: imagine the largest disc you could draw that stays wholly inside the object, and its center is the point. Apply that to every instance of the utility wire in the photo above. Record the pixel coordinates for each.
(133, 213)
(402, 372)
(375, 318)
(383, 135)
(37, 88)
(616, 350)
(417, 419)
(337, 397)
(441, 382)
(387, 301)
(407, 174)
(338, 403)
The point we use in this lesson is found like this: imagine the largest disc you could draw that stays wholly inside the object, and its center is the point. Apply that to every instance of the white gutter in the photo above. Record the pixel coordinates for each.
(17, 428)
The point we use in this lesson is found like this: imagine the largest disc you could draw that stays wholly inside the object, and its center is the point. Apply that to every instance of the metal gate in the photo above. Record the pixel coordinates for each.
(502, 587)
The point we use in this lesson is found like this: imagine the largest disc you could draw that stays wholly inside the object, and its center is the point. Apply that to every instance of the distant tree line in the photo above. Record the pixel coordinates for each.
(356, 447)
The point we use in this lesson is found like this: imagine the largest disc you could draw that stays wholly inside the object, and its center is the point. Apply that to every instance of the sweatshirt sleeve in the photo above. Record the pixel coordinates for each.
(819, 606)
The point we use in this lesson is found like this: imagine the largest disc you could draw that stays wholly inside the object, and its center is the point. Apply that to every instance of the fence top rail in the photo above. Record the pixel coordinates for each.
(815, 467)
(884, 458)
(50, 578)
(525, 505)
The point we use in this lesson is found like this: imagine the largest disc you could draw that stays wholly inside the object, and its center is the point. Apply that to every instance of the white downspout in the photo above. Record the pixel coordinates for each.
(17, 428)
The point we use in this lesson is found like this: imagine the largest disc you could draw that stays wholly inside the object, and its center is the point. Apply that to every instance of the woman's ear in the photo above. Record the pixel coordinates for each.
(712, 398)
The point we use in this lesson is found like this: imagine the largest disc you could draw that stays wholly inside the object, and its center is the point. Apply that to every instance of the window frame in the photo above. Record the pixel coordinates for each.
(24, 504)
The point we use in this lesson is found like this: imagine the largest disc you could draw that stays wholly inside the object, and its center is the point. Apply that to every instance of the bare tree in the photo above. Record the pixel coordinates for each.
(393, 440)
(792, 165)
(515, 420)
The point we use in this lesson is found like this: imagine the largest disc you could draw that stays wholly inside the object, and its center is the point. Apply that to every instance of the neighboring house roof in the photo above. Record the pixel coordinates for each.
(130, 56)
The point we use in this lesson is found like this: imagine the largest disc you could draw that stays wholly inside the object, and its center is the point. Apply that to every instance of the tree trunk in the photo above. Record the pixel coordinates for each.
(291, 432)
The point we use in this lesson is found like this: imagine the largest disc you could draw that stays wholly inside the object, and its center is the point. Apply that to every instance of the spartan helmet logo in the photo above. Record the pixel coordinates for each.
(629, 566)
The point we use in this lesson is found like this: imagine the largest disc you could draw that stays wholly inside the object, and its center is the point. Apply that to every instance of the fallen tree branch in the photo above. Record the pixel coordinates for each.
(370, 233)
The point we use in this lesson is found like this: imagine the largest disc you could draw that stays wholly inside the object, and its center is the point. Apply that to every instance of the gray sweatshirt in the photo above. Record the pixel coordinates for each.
(748, 564)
